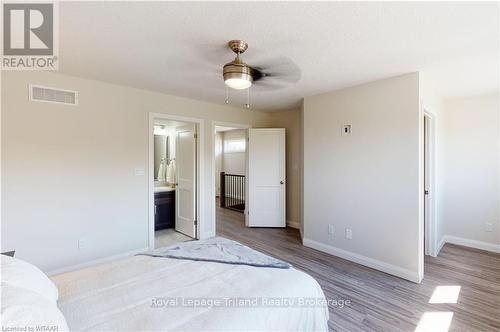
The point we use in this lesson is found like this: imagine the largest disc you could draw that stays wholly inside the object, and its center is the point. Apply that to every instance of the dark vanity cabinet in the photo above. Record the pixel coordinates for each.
(164, 210)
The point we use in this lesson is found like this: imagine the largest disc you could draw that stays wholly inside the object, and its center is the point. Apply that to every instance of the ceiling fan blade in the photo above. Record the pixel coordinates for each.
(201, 58)
(269, 85)
(279, 64)
(257, 74)
(280, 68)
(204, 63)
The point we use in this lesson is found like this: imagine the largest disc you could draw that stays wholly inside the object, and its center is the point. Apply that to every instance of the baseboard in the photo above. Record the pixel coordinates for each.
(293, 224)
(440, 245)
(471, 243)
(363, 260)
(95, 262)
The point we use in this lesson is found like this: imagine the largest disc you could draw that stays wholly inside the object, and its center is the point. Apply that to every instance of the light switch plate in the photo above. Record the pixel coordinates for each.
(488, 227)
(139, 171)
(82, 243)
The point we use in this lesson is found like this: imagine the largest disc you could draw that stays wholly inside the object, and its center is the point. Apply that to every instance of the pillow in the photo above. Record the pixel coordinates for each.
(16, 272)
(26, 310)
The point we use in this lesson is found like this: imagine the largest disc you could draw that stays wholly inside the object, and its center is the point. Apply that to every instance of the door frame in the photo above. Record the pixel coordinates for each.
(200, 183)
(430, 225)
(213, 187)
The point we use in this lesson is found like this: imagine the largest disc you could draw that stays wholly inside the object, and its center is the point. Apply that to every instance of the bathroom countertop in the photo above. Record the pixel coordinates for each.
(160, 189)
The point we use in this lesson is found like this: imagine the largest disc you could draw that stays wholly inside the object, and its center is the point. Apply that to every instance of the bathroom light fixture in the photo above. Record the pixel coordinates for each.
(160, 130)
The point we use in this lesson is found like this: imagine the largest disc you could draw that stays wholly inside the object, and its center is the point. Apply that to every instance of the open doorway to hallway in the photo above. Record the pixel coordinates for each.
(230, 169)
(249, 172)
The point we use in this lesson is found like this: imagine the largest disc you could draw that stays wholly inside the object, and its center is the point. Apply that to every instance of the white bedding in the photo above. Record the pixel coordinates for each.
(119, 296)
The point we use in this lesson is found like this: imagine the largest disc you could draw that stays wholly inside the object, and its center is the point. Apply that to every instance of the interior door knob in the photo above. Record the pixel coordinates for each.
(281, 182)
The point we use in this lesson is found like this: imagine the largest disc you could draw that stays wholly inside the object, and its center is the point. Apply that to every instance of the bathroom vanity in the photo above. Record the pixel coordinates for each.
(164, 207)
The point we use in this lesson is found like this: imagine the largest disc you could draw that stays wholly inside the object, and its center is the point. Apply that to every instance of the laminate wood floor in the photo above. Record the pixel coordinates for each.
(168, 237)
(379, 301)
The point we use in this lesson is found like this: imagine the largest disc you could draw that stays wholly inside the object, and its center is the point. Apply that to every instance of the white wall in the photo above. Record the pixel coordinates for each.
(291, 120)
(234, 162)
(369, 181)
(68, 172)
(471, 197)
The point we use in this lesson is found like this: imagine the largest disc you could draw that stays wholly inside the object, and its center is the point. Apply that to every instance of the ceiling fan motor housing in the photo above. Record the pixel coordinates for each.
(237, 70)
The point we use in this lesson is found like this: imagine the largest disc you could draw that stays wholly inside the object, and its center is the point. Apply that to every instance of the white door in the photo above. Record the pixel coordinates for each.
(185, 192)
(266, 178)
(426, 185)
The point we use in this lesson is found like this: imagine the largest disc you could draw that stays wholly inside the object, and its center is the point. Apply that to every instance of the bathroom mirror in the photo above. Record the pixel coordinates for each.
(162, 154)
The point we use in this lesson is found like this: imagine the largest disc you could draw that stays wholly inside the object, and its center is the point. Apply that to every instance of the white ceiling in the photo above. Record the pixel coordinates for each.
(179, 48)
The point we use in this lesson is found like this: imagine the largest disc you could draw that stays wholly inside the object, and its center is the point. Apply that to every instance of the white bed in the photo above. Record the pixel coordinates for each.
(131, 294)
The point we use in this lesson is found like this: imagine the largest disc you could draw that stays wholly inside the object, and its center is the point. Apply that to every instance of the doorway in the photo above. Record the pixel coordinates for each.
(257, 186)
(428, 185)
(174, 180)
(230, 171)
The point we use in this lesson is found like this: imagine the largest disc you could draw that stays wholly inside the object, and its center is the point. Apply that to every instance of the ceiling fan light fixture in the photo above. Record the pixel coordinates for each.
(238, 83)
(237, 76)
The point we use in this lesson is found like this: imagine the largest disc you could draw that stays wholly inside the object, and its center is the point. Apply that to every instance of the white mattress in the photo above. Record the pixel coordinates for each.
(118, 296)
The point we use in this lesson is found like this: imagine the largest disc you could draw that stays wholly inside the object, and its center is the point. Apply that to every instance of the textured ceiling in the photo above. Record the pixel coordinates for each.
(179, 48)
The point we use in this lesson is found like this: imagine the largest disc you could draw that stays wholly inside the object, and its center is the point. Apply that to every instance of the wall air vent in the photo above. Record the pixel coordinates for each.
(52, 95)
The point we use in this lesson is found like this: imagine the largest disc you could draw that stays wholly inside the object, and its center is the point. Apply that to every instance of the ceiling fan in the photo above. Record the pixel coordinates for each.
(238, 75)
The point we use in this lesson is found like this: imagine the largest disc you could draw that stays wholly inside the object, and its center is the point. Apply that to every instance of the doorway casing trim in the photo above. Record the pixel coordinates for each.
(430, 234)
(212, 145)
(201, 186)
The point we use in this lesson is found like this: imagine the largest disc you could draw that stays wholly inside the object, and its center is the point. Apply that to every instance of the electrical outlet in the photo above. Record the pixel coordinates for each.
(331, 229)
(488, 227)
(82, 243)
(348, 233)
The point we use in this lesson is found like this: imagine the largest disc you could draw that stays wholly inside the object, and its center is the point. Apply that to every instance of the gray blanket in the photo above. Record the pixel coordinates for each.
(218, 249)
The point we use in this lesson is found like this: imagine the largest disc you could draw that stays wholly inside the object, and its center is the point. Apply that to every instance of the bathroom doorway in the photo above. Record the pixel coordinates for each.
(174, 164)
